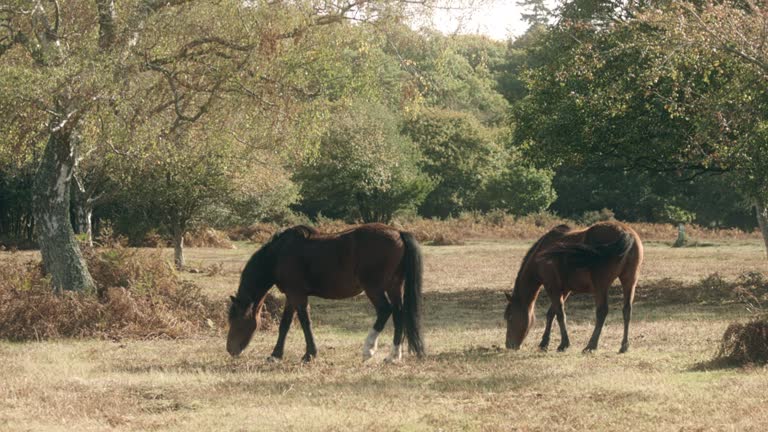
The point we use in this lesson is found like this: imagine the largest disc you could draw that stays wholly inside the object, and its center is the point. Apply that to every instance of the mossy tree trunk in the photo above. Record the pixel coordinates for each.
(177, 232)
(51, 199)
(761, 208)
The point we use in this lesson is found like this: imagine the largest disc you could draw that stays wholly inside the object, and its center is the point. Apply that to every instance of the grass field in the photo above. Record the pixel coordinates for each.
(466, 383)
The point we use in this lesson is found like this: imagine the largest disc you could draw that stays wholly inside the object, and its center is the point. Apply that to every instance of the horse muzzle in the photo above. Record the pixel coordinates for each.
(234, 349)
(513, 346)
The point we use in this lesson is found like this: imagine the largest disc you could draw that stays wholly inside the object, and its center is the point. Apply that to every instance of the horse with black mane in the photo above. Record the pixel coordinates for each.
(383, 262)
(567, 261)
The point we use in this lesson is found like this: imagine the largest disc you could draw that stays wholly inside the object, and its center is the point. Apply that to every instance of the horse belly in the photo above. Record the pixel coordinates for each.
(580, 282)
(336, 289)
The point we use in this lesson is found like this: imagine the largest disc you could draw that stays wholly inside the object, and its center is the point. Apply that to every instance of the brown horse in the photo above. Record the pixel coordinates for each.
(566, 262)
(380, 260)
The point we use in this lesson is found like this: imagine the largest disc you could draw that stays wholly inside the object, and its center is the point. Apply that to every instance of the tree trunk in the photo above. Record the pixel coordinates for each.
(84, 222)
(681, 238)
(61, 255)
(762, 220)
(83, 212)
(178, 248)
(107, 30)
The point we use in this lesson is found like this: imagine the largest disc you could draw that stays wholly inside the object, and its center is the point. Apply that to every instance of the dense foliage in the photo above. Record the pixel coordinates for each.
(223, 113)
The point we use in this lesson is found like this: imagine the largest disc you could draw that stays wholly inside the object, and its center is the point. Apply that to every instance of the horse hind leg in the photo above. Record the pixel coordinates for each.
(397, 340)
(395, 295)
(628, 283)
(383, 311)
(601, 312)
(306, 325)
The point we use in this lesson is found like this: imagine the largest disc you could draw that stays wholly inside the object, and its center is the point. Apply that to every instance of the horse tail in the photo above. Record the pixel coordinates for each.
(590, 255)
(412, 308)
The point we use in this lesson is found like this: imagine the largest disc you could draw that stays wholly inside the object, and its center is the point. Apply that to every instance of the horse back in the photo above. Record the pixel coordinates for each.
(604, 250)
(340, 265)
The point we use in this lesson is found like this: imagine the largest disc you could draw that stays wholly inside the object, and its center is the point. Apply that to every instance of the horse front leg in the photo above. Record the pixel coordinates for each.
(565, 341)
(285, 325)
(306, 326)
(548, 328)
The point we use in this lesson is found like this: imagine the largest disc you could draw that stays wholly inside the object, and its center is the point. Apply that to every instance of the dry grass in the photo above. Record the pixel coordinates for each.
(138, 295)
(499, 226)
(466, 383)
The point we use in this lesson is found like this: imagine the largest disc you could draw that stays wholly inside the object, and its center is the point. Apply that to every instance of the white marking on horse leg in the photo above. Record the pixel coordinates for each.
(396, 354)
(273, 359)
(370, 345)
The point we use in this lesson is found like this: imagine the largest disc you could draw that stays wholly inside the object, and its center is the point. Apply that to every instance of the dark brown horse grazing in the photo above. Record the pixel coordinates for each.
(566, 262)
(380, 260)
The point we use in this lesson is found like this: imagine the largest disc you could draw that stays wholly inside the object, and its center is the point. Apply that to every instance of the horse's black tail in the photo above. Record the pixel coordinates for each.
(412, 271)
(590, 255)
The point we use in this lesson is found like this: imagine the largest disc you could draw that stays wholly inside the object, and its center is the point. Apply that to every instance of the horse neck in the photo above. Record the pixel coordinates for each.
(253, 287)
(526, 286)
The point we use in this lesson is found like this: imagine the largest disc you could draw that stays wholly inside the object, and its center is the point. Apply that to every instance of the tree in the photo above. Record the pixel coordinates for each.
(729, 39)
(459, 154)
(454, 73)
(519, 190)
(365, 168)
(167, 62)
(641, 94)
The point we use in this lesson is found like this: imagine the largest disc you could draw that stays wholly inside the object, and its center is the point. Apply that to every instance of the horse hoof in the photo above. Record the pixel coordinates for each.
(544, 348)
(588, 350)
(273, 359)
(308, 358)
(562, 348)
(624, 349)
(368, 354)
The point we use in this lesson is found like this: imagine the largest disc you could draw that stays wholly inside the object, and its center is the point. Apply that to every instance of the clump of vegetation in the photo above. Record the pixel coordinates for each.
(138, 294)
(594, 216)
(208, 238)
(745, 344)
(445, 239)
(255, 233)
(749, 289)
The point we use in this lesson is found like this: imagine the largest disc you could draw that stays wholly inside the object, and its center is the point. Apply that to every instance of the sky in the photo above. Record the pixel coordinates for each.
(497, 19)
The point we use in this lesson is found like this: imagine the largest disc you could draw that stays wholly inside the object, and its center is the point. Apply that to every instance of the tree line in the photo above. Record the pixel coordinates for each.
(152, 116)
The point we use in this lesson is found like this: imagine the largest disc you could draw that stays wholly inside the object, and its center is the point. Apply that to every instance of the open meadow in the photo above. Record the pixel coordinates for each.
(467, 382)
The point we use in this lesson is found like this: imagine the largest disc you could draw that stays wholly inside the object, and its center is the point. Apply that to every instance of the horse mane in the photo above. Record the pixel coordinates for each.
(258, 269)
(555, 232)
(305, 231)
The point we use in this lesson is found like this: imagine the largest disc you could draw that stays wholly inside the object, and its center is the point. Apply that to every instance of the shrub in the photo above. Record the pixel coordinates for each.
(519, 190)
(256, 233)
(138, 294)
(207, 237)
(593, 216)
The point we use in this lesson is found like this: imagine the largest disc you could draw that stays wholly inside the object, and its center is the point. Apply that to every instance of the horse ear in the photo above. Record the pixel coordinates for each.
(509, 296)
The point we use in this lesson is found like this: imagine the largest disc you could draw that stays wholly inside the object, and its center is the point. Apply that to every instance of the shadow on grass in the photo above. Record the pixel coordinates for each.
(483, 308)
(420, 375)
